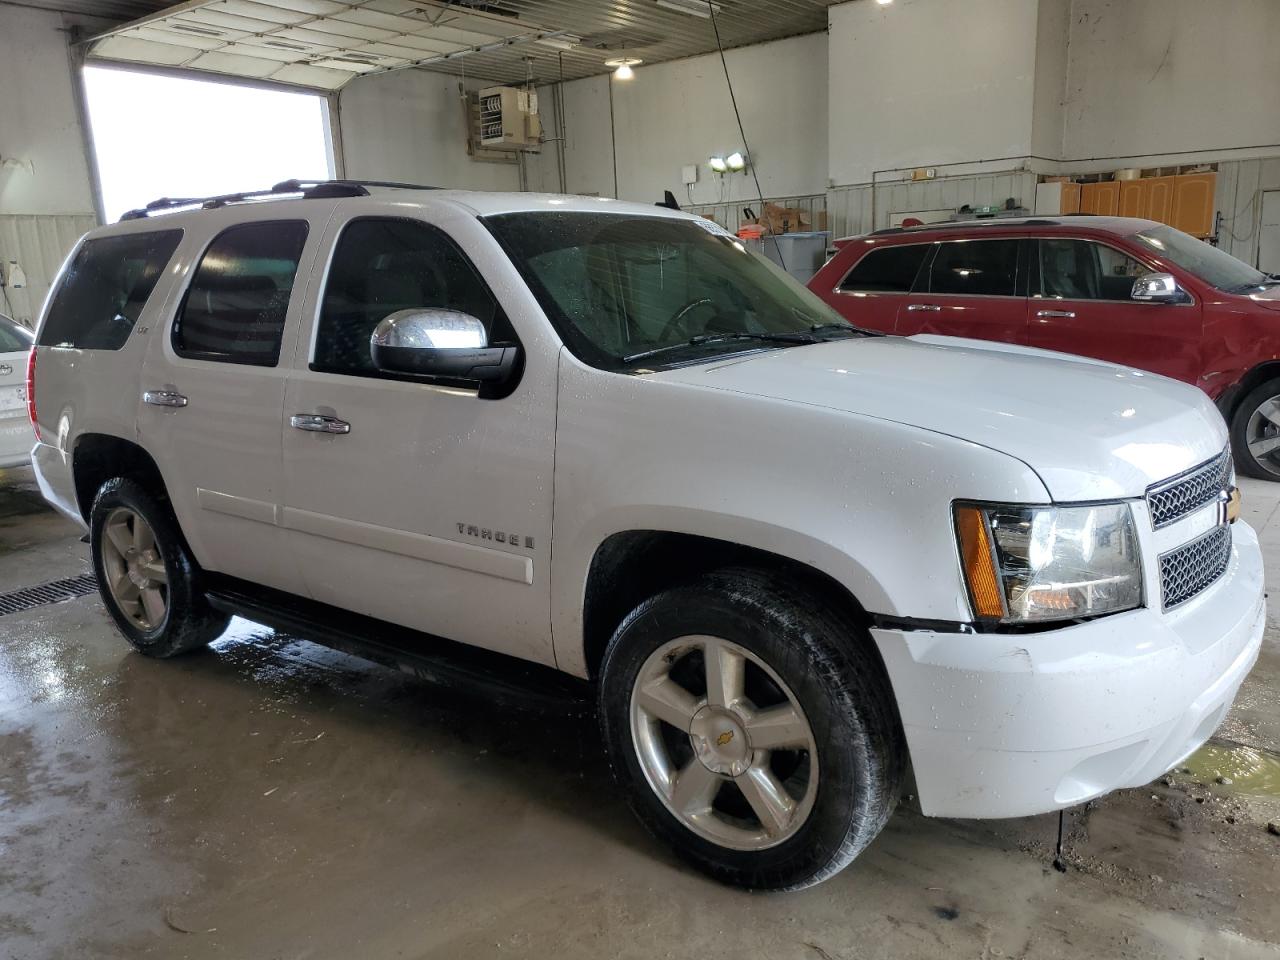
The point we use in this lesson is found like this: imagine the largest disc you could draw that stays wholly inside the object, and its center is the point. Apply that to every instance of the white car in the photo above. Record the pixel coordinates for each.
(16, 437)
(546, 439)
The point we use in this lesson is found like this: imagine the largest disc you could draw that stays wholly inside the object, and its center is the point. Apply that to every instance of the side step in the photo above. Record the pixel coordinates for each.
(507, 681)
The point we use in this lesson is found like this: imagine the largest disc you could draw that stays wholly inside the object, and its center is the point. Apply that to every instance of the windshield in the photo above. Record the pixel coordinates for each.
(626, 292)
(1210, 264)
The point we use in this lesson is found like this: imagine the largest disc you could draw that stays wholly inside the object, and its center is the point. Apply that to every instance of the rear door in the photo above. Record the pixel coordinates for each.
(970, 288)
(1081, 303)
(16, 436)
(872, 290)
(212, 396)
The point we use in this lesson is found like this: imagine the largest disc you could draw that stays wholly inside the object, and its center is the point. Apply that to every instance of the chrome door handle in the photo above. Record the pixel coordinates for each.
(319, 424)
(1068, 314)
(164, 398)
(931, 307)
(5, 369)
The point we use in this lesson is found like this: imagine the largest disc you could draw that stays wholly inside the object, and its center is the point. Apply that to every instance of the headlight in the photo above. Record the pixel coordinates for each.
(1030, 564)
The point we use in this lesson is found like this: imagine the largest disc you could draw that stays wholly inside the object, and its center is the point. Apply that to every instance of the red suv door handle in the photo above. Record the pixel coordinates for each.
(1068, 314)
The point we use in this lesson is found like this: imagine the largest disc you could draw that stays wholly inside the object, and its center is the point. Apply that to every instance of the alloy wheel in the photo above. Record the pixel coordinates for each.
(1262, 435)
(724, 742)
(134, 567)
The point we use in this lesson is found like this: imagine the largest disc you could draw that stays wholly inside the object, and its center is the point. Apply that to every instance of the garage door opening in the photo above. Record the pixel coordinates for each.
(158, 136)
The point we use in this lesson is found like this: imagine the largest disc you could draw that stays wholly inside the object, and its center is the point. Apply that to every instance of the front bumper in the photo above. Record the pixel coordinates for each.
(1009, 725)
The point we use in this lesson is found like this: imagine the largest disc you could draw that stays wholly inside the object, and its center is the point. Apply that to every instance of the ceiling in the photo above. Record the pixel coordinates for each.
(325, 43)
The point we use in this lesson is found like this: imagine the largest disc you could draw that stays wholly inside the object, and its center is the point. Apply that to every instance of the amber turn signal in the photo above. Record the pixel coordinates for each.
(979, 563)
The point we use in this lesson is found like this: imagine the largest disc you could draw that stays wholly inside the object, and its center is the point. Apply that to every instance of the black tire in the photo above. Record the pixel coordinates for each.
(189, 622)
(1246, 462)
(834, 672)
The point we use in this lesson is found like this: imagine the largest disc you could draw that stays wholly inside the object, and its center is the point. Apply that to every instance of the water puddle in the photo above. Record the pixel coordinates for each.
(1244, 769)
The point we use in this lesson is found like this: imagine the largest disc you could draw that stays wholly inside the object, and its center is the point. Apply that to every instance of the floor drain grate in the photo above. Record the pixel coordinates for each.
(51, 592)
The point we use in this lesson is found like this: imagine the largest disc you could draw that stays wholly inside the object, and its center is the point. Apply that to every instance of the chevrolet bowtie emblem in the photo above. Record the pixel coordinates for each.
(724, 738)
(1229, 505)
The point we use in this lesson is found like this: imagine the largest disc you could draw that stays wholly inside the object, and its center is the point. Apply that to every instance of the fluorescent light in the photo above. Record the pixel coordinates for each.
(565, 41)
(736, 161)
(697, 8)
(718, 164)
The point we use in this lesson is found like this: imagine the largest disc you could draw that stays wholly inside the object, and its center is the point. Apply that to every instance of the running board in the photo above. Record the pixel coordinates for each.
(507, 681)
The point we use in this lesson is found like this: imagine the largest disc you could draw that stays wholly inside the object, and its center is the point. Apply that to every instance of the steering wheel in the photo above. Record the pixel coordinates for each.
(679, 315)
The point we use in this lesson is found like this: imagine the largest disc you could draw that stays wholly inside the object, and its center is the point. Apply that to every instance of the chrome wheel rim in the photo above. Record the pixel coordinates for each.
(724, 743)
(1262, 435)
(134, 569)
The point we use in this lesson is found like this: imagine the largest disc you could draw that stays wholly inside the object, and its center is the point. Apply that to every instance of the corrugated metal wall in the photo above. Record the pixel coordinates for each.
(729, 215)
(39, 244)
(849, 208)
(1241, 184)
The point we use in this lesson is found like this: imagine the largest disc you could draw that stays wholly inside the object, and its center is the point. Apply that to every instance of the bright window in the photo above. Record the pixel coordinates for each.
(158, 136)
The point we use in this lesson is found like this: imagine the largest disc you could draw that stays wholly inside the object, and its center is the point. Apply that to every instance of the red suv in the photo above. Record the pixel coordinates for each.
(1133, 292)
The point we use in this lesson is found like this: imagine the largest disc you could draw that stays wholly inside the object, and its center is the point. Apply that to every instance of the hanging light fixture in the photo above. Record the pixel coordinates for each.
(623, 67)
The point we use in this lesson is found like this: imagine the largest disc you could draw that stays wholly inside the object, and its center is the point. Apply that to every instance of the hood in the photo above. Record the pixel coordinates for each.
(1090, 430)
(1268, 298)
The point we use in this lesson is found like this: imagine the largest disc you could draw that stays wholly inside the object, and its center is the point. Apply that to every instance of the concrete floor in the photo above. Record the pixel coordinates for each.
(272, 799)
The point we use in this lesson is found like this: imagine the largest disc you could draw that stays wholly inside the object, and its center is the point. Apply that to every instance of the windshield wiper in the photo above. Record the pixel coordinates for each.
(844, 328)
(706, 338)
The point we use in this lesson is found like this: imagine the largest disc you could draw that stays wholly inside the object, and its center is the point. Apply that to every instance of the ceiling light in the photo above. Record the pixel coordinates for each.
(736, 161)
(884, 3)
(565, 41)
(697, 8)
(718, 164)
(624, 65)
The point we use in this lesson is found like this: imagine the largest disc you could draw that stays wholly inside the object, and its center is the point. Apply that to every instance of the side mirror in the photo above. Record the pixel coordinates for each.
(1158, 288)
(437, 342)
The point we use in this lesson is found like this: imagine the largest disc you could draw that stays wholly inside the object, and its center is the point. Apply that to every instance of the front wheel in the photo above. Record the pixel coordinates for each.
(752, 729)
(1255, 432)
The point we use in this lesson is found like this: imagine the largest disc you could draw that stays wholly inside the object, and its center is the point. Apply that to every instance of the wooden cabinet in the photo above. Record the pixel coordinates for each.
(1159, 198)
(1133, 198)
(1101, 198)
(1193, 203)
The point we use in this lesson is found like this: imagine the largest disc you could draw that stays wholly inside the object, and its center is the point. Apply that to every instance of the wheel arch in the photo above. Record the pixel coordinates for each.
(98, 457)
(1229, 401)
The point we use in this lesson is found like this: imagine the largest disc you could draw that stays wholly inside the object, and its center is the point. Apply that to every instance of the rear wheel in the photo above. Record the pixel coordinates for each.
(1255, 432)
(146, 575)
(752, 729)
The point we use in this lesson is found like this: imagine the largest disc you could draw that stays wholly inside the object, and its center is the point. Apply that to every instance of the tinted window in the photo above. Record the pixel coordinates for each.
(1083, 270)
(382, 266)
(13, 338)
(234, 309)
(983, 267)
(104, 288)
(887, 269)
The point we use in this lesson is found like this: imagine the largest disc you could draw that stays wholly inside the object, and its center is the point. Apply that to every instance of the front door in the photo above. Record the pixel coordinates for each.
(213, 390)
(415, 501)
(1081, 303)
(971, 288)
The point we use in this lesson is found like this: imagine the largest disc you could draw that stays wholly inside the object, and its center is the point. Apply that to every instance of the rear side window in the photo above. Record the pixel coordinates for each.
(382, 266)
(13, 338)
(887, 269)
(235, 308)
(987, 268)
(104, 288)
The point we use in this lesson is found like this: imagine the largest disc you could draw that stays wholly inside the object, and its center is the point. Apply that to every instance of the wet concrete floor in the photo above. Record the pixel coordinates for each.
(269, 798)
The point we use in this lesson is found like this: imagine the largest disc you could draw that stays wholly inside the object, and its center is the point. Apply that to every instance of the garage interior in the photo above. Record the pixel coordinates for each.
(270, 797)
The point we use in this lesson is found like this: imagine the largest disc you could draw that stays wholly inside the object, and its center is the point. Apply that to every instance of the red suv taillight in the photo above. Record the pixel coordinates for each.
(31, 391)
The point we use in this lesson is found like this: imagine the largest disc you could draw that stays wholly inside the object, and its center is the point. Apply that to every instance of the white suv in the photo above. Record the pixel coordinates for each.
(604, 443)
(15, 427)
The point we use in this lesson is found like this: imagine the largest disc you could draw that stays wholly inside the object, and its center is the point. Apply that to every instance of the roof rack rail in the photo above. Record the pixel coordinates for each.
(306, 189)
(975, 222)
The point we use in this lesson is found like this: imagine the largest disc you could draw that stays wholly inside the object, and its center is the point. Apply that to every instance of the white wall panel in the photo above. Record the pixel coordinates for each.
(39, 244)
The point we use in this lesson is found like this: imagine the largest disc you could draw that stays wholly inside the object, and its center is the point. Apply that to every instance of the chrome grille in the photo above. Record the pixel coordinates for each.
(1186, 571)
(1172, 499)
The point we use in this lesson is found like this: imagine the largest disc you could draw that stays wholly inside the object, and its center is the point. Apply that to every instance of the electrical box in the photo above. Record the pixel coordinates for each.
(509, 118)
(689, 174)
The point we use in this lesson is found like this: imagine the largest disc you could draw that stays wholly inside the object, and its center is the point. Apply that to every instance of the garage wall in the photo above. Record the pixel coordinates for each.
(928, 82)
(679, 113)
(410, 126)
(46, 201)
(1152, 77)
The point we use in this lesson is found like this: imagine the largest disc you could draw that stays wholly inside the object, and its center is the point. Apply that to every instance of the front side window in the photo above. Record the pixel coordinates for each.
(987, 268)
(623, 290)
(104, 289)
(1215, 267)
(889, 269)
(382, 266)
(13, 338)
(1084, 270)
(234, 310)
